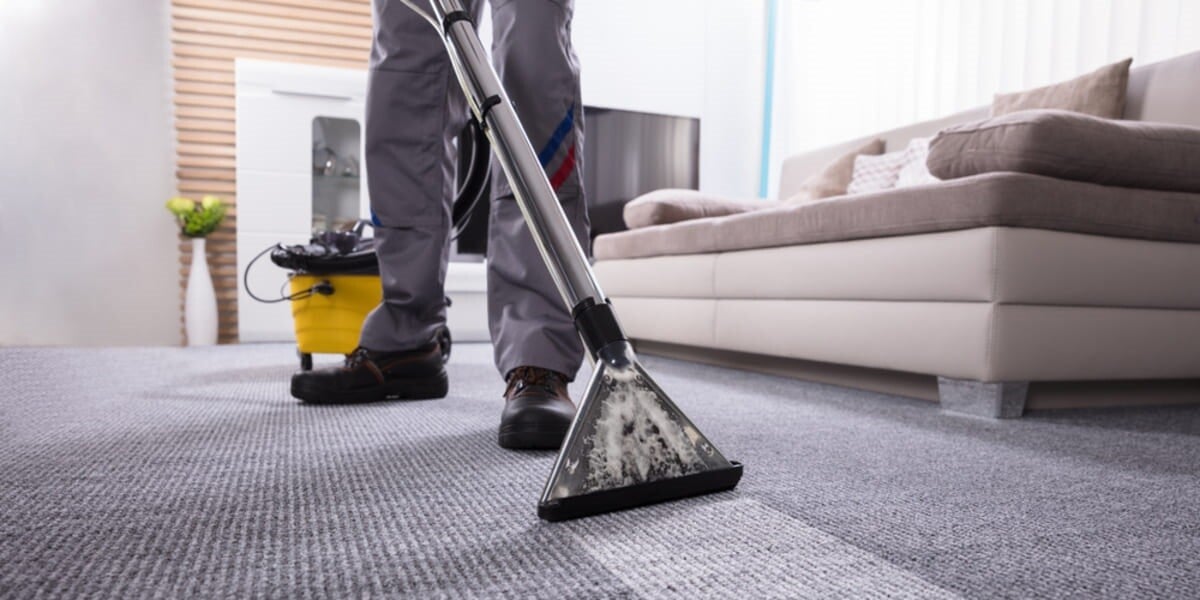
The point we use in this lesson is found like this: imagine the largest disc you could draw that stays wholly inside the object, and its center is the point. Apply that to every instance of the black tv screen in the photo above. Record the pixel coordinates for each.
(626, 154)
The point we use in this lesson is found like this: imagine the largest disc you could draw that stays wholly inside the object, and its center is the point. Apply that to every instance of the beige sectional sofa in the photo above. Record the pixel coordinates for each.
(991, 293)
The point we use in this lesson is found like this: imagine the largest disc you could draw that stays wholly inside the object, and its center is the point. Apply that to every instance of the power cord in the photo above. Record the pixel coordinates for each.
(322, 287)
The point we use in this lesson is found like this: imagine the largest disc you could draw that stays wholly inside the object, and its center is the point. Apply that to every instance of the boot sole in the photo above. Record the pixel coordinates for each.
(531, 439)
(429, 388)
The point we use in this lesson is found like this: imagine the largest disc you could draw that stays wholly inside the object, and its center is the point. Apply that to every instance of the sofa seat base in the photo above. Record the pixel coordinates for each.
(963, 340)
(988, 264)
(992, 305)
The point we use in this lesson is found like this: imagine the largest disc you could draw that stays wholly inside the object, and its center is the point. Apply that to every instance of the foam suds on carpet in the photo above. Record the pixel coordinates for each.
(191, 472)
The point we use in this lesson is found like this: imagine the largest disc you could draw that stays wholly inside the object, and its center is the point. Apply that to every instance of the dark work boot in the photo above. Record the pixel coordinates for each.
(537, 410)
(370, 376)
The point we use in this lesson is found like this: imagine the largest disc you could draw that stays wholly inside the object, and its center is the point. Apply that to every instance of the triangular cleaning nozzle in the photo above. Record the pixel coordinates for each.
(629, 446)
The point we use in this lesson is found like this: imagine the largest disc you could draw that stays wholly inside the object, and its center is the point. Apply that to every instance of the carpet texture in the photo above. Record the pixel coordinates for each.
(191, 473)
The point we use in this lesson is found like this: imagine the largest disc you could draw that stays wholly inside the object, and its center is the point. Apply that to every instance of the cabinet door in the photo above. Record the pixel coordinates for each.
(274, 202)
(275, 130)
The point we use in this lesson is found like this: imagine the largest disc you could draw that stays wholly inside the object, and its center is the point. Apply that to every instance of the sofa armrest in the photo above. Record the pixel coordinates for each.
(662, 207)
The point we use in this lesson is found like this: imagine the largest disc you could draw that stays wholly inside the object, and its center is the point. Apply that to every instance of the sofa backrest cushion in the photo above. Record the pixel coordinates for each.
(1074, 146)
(1100, 93)
(915, 171)
(1166, 91)
(874, 173)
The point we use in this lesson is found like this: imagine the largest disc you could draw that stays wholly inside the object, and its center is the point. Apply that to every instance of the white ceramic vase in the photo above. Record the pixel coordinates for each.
(200, 302)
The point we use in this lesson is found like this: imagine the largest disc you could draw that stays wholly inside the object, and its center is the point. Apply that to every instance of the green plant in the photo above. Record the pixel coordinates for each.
(197, 219)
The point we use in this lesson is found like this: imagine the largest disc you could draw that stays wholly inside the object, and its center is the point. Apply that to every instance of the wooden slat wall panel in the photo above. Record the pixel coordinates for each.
(206, 36)
(290, 10)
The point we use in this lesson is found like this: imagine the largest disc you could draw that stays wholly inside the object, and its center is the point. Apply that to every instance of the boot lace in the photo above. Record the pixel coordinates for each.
(357, 358)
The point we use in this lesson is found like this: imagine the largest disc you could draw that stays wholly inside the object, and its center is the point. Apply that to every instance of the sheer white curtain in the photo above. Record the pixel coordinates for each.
(846, 68)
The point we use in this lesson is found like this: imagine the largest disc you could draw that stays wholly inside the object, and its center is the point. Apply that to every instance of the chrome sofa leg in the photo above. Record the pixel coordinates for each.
(1000, 400)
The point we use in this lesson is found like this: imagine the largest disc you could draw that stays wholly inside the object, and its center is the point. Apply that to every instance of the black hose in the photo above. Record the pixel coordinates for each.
(478, 170)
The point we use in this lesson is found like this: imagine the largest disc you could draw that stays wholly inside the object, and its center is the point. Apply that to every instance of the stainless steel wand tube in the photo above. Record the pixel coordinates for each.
(551, 231)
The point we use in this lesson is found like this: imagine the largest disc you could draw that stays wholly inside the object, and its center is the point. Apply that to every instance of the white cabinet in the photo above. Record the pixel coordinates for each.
(277, 104)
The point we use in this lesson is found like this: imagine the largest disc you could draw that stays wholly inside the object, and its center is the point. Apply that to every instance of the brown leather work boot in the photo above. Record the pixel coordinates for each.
(370, 376)
(537, 410)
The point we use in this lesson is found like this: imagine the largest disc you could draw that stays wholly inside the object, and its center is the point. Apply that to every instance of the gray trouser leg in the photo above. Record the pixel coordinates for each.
(530, 326)
(413, 107)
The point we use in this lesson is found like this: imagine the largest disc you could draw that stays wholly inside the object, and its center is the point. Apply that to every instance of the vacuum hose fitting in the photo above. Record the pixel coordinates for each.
(597, 324)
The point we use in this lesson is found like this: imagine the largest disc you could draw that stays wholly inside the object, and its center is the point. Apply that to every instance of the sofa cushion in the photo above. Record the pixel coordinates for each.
(874, 173)
(915, 170)
(661, 207)
(1100, 93)
(991, 199)
(834, 178)
(1072, 146)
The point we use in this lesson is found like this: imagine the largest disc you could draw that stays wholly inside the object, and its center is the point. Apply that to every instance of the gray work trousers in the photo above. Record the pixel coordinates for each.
(414, 107)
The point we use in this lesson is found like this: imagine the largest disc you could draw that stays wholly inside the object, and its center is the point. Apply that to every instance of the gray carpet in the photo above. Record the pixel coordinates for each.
(191, 473)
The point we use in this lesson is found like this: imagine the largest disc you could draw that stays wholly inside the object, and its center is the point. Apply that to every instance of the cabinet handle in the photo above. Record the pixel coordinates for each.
(311, 95)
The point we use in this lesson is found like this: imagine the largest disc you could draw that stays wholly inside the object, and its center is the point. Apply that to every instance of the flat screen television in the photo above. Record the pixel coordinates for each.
(626, 154)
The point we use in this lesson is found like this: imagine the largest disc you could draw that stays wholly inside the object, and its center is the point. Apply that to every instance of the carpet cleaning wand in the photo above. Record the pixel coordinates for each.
(629, 445)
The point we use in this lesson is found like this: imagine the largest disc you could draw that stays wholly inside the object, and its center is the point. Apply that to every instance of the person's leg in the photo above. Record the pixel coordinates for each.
(536, 62)
(536, 347)
(414, 106)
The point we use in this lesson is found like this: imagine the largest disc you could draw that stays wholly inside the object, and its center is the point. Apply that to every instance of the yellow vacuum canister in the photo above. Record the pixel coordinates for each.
(329, 319)
(333, 284)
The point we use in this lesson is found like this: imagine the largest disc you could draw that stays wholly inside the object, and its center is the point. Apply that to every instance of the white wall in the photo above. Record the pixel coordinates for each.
(734, 76)
(87, 252)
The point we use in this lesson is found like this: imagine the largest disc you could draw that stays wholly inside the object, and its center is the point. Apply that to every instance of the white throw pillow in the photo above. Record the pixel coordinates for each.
(915, 171)
(875, 172)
